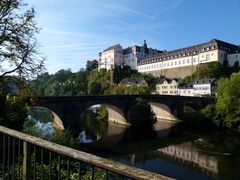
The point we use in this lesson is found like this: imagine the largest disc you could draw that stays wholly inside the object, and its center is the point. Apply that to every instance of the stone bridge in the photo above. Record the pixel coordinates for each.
(67, 110)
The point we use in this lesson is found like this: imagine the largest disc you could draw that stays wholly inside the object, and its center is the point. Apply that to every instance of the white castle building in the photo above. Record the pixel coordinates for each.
(183, 62)
(172, 64)
(116, 55)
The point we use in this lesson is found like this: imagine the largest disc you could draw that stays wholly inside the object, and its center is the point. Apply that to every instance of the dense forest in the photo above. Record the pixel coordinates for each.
(90, 81)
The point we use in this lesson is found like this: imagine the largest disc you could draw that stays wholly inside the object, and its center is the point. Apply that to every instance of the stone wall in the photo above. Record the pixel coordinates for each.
(180, 72)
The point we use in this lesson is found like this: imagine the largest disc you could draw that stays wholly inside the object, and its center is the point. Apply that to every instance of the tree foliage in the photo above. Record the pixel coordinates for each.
(228, 100)
(13, 112)
(18, 45)
(90, 81)
(212, 70)
(140, 114)
(134, 89)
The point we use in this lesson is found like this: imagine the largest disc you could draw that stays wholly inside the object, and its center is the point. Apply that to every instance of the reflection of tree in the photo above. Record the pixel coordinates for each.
(95, 120)
(229, 167)
(42, 114)
(221, 143)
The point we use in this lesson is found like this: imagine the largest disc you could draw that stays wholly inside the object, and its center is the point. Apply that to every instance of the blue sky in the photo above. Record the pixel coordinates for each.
(74, 31)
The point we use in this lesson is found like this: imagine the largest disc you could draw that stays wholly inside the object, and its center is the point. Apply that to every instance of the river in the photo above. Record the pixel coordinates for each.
(167, 149)
(173, 151)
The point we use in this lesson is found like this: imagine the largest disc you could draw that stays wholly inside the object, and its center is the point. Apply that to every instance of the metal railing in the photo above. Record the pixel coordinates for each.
(26, 157)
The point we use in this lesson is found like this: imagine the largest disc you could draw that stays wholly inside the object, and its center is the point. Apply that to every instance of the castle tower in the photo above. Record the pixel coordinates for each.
(145, 44)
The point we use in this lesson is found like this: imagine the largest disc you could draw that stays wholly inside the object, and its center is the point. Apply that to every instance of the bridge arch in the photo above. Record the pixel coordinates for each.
(115, 114)
(162, 111)
(56, 120)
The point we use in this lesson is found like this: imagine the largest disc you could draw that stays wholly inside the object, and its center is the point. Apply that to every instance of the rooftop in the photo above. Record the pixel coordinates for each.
(204, 81)
(190, 50)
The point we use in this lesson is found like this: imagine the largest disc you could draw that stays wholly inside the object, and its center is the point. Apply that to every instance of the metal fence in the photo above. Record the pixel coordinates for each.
(29, 158)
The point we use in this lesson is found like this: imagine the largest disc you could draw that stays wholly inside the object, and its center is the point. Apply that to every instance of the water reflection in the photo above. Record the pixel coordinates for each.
(165, 128)
(188, 154)
(83, 138)
(115, 135)
(93, 124)
(40, 120)
(174, 152)
(167, 149)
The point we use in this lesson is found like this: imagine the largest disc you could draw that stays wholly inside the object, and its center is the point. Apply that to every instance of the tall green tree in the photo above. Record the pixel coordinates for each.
(18, 44)
(228, 100)
(141, 114)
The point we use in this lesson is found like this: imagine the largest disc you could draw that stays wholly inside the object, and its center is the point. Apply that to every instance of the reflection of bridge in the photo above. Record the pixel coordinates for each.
(167, 107)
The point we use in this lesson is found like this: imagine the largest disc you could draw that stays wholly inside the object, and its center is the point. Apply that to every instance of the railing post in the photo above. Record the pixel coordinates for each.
(26, 161)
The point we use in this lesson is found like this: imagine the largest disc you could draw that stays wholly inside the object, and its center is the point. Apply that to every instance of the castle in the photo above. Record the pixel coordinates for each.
(172, 64)
(116, 55)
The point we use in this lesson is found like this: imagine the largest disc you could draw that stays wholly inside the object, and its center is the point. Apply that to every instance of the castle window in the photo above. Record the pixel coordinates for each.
(208, 57)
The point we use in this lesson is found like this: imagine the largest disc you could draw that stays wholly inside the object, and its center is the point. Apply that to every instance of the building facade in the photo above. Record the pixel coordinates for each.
(116, 55)
(204, 87)
(233, 58)
(185, 90)
(167, 87)
(110, 57)
(183, 62)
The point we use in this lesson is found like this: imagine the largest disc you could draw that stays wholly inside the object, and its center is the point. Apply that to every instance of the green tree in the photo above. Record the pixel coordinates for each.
(91, 65)
(14, 112)
(140, 114)
(228, 100)
(121, 72)
(62, 75)
(151, 81)
(94, 88)
(81, 82)
(18, 45)
(236, 67)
